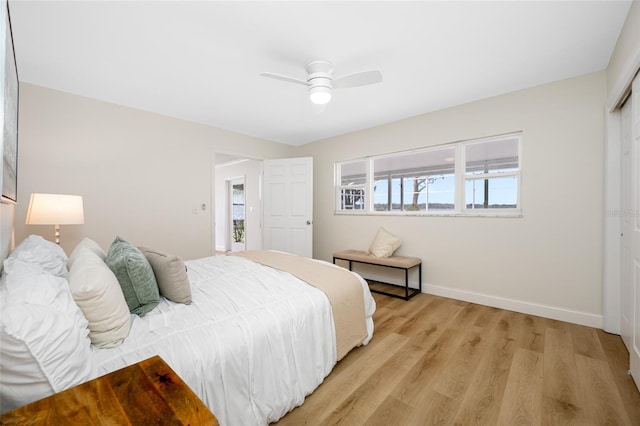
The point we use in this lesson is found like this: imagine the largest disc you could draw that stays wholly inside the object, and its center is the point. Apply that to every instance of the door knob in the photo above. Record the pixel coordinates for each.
(308, 222)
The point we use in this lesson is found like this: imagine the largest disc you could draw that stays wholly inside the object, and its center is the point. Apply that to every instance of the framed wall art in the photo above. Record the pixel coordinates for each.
(9, 76)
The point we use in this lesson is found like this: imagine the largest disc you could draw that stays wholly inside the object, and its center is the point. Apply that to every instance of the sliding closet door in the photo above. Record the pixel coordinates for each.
(626, 226)
(630, 228)
(635, 231)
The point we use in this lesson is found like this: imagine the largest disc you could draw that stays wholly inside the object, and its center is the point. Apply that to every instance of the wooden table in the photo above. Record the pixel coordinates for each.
(146, 393)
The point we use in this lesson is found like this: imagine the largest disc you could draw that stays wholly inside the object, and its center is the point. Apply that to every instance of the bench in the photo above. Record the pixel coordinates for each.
(398, 262)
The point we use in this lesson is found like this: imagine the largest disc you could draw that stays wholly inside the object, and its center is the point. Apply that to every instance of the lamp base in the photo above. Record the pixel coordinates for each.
(57, 233)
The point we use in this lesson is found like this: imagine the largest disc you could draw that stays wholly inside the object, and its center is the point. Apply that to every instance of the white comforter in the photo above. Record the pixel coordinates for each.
(252, 344)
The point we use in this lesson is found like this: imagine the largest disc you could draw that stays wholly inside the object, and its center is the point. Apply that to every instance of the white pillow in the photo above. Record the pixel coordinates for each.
(35, 249)
(384, 244)
(91, 245)
(44, 343)
(27, 283)
(96, 290)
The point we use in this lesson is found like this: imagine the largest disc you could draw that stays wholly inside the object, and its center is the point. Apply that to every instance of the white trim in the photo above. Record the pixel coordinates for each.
(504, 213)
(232, 163)
(611, 303)
(212, 210)
(546, 311)
(623, 83)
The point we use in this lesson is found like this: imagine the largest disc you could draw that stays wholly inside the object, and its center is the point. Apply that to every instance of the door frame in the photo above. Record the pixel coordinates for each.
(611, 303)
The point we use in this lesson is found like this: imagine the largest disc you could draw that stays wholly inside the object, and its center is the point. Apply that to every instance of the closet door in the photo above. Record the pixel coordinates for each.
(626, 226)
(635, 231)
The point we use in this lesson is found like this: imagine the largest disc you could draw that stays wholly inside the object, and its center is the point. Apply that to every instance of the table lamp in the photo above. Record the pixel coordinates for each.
(55, 209)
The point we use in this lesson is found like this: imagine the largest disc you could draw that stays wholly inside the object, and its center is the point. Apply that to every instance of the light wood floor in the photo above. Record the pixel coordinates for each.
(436, 361)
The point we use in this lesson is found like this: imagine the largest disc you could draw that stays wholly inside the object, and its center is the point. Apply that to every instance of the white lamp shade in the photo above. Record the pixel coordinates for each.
(55, 209)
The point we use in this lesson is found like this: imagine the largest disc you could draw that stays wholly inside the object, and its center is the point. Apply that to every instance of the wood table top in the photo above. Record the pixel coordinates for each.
(146, 393)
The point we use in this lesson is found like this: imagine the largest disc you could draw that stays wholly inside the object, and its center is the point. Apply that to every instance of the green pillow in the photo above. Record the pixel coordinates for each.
(135, 276)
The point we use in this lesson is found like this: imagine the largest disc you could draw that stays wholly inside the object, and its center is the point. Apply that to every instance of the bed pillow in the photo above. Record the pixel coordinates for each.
(91, 245)
(44, 343)
(135, 275)
(384, 244)
(49, 256)
(171, 275)
(96, 290)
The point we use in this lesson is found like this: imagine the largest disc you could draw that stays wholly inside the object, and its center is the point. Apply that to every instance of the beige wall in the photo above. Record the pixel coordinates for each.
(552, 256)
(141, 174)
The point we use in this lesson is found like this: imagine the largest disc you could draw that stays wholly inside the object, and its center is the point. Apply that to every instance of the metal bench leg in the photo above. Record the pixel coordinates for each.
(406, 284)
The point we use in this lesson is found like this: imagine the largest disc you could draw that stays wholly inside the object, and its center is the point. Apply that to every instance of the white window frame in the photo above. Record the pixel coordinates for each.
(339, 192)
(463, 177)
(460, 208)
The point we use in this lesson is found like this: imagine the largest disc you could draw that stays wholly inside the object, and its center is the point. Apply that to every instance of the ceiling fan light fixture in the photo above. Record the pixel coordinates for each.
(320, 95)
(320, 81)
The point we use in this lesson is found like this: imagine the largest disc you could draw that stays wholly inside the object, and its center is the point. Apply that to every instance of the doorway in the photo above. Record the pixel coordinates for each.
(292, 196)
(237, 201)
(230, 169)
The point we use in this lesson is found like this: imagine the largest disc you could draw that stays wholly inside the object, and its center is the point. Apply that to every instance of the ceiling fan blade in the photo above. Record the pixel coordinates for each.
(283, 78)
(358, 79)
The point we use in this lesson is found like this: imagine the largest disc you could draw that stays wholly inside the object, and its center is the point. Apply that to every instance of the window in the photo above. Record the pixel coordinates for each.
(352, 178)
(491, 174)
(463, 178)
(416, 181)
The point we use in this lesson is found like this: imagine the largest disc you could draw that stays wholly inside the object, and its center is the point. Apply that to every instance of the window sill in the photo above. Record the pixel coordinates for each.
(493, 213)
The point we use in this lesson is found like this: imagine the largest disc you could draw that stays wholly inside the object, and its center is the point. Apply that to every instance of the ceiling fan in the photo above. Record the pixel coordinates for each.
(321, 82)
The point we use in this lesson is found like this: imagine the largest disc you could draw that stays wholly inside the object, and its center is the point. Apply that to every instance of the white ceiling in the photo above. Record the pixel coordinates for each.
(200, 61)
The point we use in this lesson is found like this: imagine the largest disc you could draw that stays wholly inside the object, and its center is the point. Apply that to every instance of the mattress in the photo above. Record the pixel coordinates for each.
(254, 342)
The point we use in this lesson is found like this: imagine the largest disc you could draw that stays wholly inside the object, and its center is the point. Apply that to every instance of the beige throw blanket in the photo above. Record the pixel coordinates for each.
(341, 287)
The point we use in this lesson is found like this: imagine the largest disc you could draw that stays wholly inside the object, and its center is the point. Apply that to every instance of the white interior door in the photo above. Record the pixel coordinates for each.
(288, 205)
(635, 234)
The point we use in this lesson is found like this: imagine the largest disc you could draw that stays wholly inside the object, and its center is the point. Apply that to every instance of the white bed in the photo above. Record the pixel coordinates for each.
(270, 339)
(253, 343)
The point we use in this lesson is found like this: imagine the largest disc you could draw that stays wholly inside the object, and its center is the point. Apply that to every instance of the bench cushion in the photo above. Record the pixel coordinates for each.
(363, 256)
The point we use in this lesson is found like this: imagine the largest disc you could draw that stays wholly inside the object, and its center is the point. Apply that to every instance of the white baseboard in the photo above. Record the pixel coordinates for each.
(552, 312)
